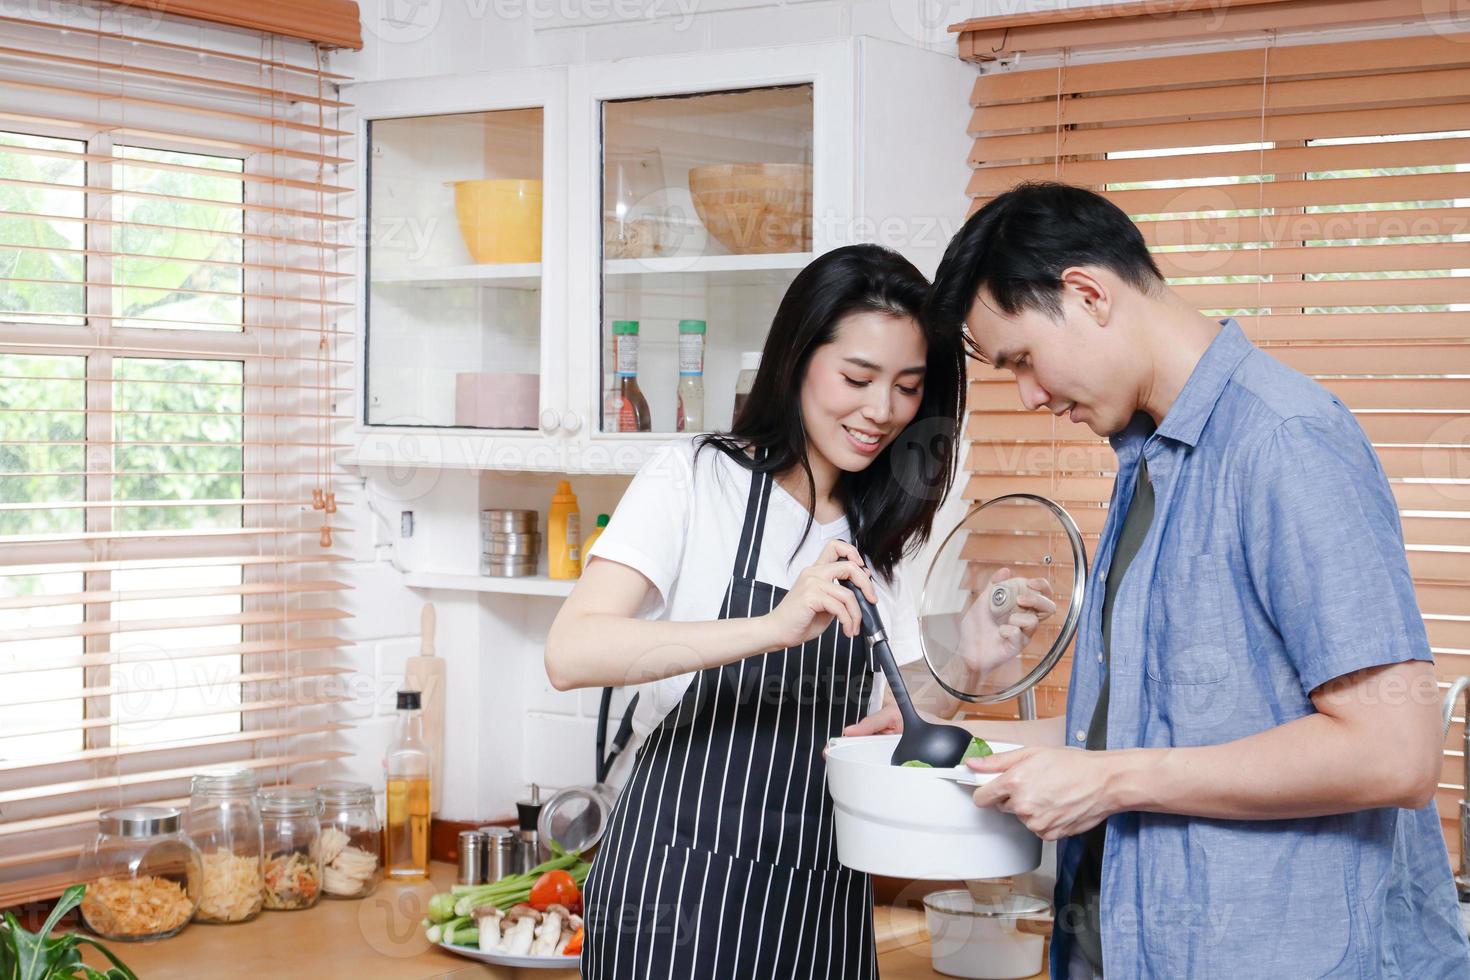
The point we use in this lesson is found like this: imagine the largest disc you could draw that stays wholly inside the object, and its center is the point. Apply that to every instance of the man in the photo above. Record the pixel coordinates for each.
(1251, 671)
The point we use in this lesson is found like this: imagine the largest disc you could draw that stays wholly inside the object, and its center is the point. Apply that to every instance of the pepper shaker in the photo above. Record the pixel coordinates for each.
(528, 847)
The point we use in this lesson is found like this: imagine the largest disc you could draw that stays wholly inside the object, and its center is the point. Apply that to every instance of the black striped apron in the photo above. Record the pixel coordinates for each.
(719, 858)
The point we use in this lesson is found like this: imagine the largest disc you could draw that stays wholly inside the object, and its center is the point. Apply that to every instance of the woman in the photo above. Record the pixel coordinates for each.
(716, 588)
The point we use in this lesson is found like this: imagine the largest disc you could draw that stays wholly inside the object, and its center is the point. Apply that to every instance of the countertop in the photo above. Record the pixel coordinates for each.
(379, 938)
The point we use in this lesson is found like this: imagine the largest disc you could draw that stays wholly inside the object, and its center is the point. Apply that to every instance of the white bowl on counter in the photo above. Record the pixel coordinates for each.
(908, 822)
(999, 938)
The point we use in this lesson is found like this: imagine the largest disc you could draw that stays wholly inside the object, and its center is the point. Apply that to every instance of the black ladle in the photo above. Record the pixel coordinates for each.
(941, 746)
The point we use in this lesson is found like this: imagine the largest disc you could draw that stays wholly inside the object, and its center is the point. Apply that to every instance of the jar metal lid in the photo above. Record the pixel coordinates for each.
(342, 791)
(496, 832)
(288, 801)
(1010, 905)
(140, 821)
(224, 782)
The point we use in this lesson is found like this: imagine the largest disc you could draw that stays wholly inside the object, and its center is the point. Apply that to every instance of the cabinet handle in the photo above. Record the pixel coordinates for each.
(549, 421)
(571, 421)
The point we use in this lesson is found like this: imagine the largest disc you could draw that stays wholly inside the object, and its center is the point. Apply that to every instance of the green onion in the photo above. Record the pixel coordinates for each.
(464, 934)
(513, 889)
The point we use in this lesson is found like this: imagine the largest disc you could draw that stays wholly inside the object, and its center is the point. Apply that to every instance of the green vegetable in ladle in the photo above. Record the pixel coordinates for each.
(978, 749)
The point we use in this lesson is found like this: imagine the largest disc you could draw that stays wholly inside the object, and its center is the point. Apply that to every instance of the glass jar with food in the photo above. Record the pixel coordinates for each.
(224, 823)
(352, 840)
(292, 847)
(142, 874)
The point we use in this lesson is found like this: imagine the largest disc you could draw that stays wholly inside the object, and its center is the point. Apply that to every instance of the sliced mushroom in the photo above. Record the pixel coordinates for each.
(548, 933)
(518, 938)
(487, 920)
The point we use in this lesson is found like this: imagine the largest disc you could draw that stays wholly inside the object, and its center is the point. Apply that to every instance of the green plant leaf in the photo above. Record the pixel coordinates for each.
(35, 953)
(123, 972)
(69, 900)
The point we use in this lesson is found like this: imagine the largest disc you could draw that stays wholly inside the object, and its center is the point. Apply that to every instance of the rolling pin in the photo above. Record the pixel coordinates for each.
(425, 673)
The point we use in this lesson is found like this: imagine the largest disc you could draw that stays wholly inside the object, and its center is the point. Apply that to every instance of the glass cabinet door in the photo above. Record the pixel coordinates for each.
(706, 219)
(453, 306)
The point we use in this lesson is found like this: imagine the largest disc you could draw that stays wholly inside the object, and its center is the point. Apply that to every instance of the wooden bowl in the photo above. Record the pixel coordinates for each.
(752, 208)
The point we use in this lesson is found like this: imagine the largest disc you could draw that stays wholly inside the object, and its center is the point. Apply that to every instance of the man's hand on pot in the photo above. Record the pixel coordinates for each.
(986, 643)
(1056, 792)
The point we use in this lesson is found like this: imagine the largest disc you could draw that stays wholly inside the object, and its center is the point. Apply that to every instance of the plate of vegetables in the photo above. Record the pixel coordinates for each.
(529, 920)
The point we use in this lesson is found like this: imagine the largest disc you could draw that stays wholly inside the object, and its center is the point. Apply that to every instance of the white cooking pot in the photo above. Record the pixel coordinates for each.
(912, 823)
(999, 938)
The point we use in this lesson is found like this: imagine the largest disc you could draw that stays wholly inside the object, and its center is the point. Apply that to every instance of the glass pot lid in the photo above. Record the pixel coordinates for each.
(1006, 558)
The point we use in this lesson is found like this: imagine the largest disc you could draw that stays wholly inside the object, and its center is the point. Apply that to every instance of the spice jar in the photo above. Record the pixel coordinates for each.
(352, 840)
(292, 847)
(224, 823)
(142, 874)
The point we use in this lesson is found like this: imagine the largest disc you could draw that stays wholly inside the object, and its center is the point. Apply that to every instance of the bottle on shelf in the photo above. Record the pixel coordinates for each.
(625, 409)
(691, 377)
(750, 365)
(602, 520)
(406, 851)
(564, 534)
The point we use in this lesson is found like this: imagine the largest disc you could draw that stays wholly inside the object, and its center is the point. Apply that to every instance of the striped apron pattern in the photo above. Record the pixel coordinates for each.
(719, 859)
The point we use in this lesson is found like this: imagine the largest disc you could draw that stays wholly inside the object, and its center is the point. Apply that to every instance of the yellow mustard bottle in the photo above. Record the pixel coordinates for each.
(602, 521)
(564, 534)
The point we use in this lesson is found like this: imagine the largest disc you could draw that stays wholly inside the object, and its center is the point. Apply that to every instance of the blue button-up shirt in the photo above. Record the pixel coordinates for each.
(1275, 562)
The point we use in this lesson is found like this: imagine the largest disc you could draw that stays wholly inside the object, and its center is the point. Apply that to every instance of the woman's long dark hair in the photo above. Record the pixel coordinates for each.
(890, 505)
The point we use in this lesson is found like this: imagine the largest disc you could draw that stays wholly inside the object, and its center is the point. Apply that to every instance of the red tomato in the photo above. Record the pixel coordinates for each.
(556, 888)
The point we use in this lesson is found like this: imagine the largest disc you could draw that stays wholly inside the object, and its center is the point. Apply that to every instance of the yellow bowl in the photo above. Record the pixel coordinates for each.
(500, 220)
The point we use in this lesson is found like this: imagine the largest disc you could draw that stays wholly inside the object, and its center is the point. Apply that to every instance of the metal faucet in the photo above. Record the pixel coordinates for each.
(1462, 876)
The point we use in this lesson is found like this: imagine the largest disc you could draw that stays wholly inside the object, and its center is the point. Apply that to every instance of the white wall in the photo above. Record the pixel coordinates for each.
(408, 38)
(506, 726)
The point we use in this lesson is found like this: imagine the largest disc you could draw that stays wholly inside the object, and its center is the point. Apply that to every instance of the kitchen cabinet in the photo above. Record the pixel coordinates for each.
(688, 187)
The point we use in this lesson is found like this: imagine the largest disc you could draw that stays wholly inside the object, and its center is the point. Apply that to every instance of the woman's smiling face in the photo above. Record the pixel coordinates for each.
(863, 388)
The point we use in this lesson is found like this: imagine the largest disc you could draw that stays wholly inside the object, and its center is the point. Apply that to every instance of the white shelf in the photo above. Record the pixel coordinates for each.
(510, 275)
(525, 585)
(666, 265)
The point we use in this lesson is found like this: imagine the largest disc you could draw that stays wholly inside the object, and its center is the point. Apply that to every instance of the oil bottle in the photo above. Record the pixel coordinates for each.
(406, 851)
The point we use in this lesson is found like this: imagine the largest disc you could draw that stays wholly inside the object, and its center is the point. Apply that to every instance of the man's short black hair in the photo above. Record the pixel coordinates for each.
(1019, 244)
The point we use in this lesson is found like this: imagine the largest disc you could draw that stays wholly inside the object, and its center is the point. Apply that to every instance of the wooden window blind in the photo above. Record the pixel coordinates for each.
(1320, 194)
(175, 322)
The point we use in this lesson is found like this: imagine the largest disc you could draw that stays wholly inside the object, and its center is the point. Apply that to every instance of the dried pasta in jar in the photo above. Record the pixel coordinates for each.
(233, 887)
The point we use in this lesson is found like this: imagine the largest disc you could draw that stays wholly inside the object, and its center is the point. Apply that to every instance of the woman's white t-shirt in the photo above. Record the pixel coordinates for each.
(680, 527)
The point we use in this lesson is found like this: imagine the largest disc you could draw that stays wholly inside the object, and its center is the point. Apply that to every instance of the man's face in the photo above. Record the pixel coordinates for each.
(1070, 366)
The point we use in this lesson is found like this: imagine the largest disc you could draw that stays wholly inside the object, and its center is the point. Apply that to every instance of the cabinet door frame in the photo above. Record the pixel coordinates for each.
(466, 447)
(830, 68)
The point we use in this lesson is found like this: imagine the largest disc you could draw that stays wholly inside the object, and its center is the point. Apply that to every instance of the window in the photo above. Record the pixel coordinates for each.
(171, 372)
(42, 240)
(1313, 188)
(179, 251)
